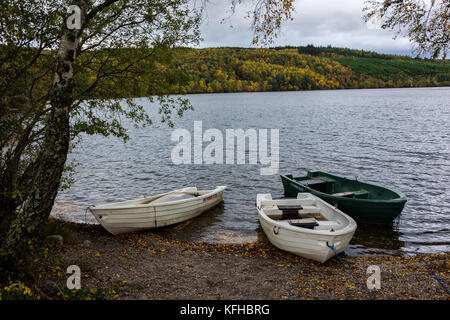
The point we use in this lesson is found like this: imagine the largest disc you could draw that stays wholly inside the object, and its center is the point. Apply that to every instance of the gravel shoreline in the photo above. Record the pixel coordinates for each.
(149, 265)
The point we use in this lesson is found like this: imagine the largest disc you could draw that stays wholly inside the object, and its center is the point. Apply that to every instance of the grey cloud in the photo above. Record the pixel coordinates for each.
(319, 22)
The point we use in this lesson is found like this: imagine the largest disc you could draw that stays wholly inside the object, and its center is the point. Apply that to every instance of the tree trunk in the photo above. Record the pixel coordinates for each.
(46, 181)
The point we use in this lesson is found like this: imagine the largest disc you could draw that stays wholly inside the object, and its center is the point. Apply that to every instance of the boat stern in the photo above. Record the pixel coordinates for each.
(260, 197)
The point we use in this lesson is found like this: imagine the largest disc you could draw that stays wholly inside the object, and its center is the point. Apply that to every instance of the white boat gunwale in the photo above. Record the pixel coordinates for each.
(117, 206)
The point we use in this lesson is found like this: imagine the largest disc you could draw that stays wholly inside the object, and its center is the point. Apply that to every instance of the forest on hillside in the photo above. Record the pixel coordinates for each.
(214, 70)
(217, 70)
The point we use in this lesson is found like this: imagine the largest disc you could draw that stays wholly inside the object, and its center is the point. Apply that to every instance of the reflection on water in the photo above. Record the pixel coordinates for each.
(194, 228)
(370, 239)
(398, 138)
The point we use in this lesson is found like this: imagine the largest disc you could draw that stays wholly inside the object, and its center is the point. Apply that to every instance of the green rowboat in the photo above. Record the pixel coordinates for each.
(365, 202)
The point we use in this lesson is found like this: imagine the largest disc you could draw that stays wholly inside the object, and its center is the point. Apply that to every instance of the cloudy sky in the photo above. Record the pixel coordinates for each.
(319, 22)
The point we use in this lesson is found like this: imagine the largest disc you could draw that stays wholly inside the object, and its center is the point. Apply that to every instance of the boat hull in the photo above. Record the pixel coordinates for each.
(305, 243)
(362, 210)
(130, 219)
(304, 246)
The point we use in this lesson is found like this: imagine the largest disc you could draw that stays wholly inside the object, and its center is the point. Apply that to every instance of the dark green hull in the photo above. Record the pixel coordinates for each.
(364, 202)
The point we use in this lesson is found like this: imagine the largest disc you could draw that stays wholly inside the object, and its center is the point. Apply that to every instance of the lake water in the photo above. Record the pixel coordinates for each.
(394, 137)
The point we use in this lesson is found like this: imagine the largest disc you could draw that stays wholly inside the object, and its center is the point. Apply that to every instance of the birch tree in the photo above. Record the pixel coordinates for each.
(424, 22)
(47, 101)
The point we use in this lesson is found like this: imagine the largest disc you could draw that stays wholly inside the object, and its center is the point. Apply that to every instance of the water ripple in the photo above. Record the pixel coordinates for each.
(394, 137)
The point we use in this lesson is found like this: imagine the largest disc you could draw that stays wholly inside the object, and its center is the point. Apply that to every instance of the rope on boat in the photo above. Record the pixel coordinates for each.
(85, 211)
(340, 260)
(434, 274)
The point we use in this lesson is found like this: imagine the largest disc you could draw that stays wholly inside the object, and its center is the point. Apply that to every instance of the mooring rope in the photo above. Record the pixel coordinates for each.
(434, 274)
(357, 280)
(85, 211)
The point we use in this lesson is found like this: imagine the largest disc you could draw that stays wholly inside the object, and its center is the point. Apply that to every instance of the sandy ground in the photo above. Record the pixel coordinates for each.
(148, 265)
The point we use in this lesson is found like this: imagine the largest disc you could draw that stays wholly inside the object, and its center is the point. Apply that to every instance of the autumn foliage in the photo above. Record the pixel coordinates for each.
(217, 70)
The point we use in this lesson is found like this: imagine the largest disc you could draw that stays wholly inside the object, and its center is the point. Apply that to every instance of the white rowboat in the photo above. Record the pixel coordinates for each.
(305, 225)
(157, 211)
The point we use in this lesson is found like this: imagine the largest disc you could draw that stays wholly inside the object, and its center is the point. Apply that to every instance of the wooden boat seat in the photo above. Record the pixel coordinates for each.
(347, 194)
(288, 208)
(310, 182)
(279, 216)
(309, 223)
(289, 212)
(352, 194)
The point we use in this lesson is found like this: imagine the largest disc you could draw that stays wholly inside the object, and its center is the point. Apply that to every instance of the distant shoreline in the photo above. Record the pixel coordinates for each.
(308, 90)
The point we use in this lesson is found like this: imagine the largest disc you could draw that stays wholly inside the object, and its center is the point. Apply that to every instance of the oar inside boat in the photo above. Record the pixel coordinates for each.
(173, 196)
